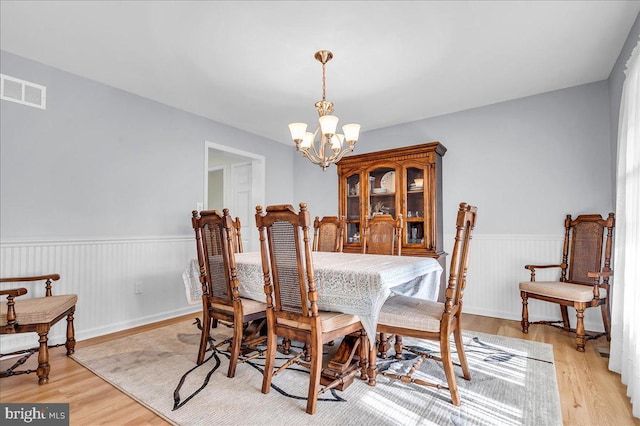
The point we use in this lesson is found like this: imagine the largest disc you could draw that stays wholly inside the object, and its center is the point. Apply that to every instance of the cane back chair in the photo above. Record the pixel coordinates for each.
(328, 233)
(220, 299)
(383, 235)
(584, 277)
(292, 311)
(37, 314)
(236, 236)
(418, 318)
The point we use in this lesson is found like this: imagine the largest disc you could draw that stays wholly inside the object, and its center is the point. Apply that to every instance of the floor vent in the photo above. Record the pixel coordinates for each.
(603, 351)
(23, 92)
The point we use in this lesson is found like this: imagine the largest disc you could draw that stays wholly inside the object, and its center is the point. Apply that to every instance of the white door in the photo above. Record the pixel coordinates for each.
(241, 203)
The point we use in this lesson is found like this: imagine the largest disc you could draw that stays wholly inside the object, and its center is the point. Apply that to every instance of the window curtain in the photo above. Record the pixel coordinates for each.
(625, 309)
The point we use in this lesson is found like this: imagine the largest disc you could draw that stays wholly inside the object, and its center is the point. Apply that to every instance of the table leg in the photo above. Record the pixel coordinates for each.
(343, 362)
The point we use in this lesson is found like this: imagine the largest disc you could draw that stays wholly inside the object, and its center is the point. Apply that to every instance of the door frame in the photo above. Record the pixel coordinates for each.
(257, 174)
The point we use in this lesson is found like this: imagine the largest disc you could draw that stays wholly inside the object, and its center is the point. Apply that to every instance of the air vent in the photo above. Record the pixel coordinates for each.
(23, 92)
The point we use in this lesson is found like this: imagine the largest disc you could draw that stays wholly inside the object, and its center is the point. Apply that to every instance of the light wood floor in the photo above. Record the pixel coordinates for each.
(590, 394)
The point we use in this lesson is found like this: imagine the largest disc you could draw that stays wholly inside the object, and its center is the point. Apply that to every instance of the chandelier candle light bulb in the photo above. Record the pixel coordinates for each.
(328, 148)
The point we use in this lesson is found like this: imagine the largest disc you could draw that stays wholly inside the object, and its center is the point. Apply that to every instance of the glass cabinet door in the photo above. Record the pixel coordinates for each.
(414, 215)
(353, 209)
(382, 191)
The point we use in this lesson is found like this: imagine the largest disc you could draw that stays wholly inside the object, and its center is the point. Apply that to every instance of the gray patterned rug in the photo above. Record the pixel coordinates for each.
(513, 382)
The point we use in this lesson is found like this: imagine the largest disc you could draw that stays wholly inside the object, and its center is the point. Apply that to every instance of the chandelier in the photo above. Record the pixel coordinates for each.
(324, 146)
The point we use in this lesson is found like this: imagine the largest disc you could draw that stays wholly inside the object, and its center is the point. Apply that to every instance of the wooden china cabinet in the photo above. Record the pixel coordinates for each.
(406, 181)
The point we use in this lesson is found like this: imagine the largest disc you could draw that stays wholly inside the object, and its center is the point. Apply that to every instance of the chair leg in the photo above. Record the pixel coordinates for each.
(383, 346)
(43, 355)
(235, 345)
(286, 346)
(580, 338)
(307, 352)
(447, 364)
(525, 312)
(204, 336)
(606, 319)
(460, 347)
(397, 347)
(270, 359)
(372, 370)
(565, 318)
(316, 370)
(70, 344)
(363, 353)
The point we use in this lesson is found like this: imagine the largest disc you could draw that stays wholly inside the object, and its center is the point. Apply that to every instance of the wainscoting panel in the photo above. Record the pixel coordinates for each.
(496, 266)
(104, 274)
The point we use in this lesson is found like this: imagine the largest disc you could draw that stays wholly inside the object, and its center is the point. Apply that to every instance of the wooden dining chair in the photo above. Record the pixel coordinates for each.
(423, 319)
(292, 310)
(220, 299)
(584, 277)
(328, 233)
(382, 235)
(36, 314)
(236, 234)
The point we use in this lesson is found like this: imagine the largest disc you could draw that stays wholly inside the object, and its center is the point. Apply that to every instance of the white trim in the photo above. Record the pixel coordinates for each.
(126, 325)
(96, 240)
(189, 237)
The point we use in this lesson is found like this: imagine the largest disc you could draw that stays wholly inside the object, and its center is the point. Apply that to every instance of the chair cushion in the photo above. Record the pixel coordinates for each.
(248, 306)
(560, 290)
(330, 321)
(38, 310)
(412, 313)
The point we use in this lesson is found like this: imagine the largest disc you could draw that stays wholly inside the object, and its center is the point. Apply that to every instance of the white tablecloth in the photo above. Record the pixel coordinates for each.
(349, 283)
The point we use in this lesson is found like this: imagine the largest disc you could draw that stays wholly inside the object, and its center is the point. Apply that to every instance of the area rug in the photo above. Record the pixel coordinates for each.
(513, 383)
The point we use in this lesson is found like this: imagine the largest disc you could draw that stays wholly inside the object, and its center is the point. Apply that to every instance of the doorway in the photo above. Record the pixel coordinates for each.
(235, 179)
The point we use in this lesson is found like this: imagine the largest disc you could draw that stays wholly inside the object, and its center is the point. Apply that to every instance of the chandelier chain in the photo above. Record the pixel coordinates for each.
(323, 82)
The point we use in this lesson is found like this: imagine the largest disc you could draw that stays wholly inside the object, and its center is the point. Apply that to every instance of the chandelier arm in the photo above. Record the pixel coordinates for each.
(316, 152)
(310, 157)
(338, 157)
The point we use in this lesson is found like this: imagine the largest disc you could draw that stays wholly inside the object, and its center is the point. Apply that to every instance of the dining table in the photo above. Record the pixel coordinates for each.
(349, 283)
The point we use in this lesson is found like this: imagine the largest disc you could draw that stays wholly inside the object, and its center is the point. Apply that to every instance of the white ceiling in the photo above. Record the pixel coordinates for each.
(250, 64)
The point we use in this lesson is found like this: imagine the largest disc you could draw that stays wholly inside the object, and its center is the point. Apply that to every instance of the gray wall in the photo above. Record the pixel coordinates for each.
(101, 162)
(525, 163)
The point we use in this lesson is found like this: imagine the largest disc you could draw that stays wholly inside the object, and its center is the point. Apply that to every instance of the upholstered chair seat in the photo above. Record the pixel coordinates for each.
(248, 306)
(412, 313)
(330, 321)
(560, 290)
(39, 310)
